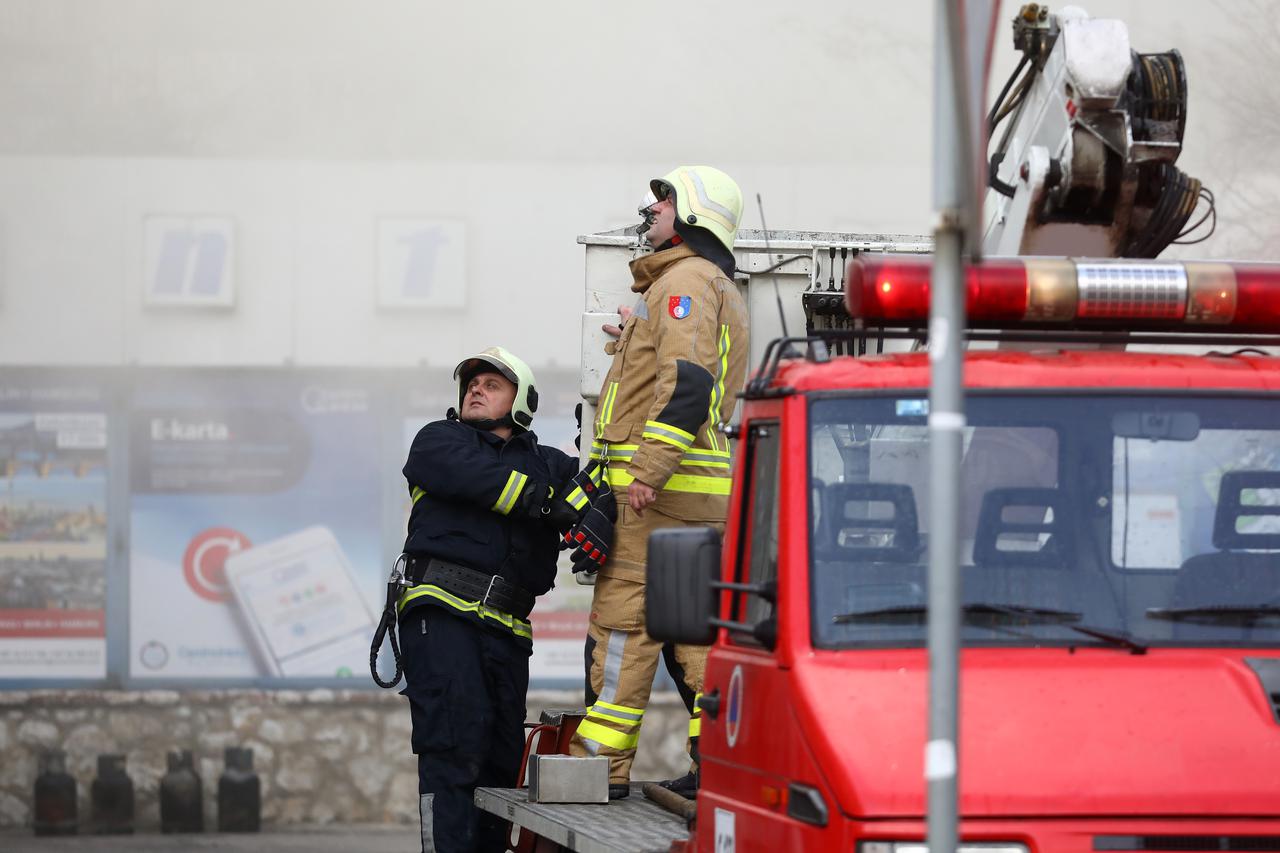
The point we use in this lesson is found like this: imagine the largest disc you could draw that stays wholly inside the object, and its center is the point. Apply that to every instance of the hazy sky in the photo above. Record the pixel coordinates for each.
(306, 122)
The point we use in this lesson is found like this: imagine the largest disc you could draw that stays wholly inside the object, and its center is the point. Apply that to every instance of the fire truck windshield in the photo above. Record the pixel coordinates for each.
(1084, 519)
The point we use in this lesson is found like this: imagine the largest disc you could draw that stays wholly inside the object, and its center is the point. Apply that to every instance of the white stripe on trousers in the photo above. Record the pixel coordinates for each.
(612, 673)
(428, 824)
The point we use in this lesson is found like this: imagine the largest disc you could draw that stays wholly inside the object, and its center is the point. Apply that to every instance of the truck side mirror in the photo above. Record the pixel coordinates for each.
(680, 603)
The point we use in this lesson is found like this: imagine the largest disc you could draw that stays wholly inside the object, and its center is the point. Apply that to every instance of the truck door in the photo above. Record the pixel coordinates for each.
(742, 744)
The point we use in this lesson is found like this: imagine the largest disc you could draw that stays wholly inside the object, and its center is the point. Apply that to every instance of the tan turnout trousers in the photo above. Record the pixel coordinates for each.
(624, 658)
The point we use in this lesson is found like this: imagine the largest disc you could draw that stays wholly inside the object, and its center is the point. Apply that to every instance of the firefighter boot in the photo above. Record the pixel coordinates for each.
(686, 786)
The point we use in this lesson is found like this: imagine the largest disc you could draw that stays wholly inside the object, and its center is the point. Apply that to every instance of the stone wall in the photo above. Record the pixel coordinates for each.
(323, 756)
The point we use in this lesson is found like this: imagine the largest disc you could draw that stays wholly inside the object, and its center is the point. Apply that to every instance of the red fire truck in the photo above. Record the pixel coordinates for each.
(1121, 575)
(1119, 516)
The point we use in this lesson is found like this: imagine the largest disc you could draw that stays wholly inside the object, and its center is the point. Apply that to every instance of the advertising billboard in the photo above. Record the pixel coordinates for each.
(255, 525)
(53, 527)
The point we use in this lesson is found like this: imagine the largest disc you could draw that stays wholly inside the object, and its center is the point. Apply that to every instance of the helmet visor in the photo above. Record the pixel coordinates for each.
(660, 189)
(484, 364)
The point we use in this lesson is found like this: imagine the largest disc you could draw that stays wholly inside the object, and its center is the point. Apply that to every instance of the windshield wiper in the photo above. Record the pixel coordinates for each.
(1038, 615)
(1230, 613)
(1115, 638)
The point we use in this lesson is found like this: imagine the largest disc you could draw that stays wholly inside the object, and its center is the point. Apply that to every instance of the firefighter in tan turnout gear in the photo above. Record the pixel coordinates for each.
(678, 364)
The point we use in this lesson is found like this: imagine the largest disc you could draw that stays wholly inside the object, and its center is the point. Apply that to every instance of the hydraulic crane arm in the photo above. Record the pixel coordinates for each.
(1085, 163)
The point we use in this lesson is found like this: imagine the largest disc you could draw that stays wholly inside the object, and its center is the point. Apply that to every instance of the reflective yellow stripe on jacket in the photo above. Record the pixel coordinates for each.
(697, 458)
(694, 483)
(723, 345)
(606, 405)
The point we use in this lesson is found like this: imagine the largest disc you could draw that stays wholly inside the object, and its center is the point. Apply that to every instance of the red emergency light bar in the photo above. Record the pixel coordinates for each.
(1066, 293)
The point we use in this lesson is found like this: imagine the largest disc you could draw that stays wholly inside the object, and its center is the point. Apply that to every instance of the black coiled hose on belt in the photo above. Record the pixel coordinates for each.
(387, 628)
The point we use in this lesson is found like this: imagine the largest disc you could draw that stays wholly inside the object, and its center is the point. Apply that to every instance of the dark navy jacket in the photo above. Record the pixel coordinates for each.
(463, 481)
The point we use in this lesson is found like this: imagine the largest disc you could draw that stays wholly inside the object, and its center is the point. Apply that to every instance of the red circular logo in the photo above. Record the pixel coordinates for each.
(204, 563)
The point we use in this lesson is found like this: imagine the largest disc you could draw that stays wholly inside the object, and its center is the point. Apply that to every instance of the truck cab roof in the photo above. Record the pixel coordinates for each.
(1045, 369)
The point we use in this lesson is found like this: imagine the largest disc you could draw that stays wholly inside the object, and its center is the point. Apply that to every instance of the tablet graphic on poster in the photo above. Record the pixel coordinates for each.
(299, 602)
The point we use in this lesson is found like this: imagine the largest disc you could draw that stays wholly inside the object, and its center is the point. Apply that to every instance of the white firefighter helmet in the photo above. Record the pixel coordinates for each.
(514, 369)
(705, 197)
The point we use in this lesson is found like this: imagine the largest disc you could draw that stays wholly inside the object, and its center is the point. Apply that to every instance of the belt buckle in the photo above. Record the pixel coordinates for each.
(485, 600)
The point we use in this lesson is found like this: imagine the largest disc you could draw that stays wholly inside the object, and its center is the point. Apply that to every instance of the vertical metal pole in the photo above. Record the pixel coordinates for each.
(952, 168)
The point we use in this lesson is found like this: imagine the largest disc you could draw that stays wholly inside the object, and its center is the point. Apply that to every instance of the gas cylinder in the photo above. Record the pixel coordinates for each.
(55, 796)
(181, 809)
(239, 793)
(112, 797)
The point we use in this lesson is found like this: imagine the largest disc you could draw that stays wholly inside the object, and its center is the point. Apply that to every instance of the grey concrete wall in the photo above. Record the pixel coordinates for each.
(323, 756)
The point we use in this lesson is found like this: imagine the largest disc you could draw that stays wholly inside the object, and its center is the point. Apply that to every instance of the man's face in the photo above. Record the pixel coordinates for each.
(664, 222)
(489, 397)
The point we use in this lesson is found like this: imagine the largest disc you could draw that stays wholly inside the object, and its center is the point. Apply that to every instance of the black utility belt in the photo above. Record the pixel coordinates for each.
(490, 590)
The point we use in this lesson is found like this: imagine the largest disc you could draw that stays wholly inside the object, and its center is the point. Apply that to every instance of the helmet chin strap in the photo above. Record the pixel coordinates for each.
(489, 424)
(485, 424)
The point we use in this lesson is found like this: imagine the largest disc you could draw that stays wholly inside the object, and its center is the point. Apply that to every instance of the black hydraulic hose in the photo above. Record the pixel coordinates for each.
(1207, 195)
(1008, 84)
(999, 111)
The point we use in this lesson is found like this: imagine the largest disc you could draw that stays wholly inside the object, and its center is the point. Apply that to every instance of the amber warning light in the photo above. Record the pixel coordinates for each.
(1060, 292)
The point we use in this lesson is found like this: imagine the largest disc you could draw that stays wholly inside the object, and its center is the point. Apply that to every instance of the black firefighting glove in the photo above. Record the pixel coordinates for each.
(542, 502)
(580, 490)
(592, 537)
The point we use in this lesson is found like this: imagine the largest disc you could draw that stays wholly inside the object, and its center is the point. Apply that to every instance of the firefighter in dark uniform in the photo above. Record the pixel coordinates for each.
(490, 507)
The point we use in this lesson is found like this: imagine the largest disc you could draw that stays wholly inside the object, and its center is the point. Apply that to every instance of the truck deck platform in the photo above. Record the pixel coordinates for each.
(633, 825)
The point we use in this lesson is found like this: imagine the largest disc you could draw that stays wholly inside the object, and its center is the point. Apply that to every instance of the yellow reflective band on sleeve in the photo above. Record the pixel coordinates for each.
(674, 436)
(697, 464)
(416, 493)
(613, 452)
(510, 493)
(606, 736)
(694, 483)
(707, 458)
(517, 626)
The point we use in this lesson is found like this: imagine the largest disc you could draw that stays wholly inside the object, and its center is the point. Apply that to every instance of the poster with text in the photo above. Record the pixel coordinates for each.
(255, 525)
(53, 528)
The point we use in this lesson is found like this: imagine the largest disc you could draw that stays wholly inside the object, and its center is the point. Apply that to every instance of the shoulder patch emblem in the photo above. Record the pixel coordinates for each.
(678, 307)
